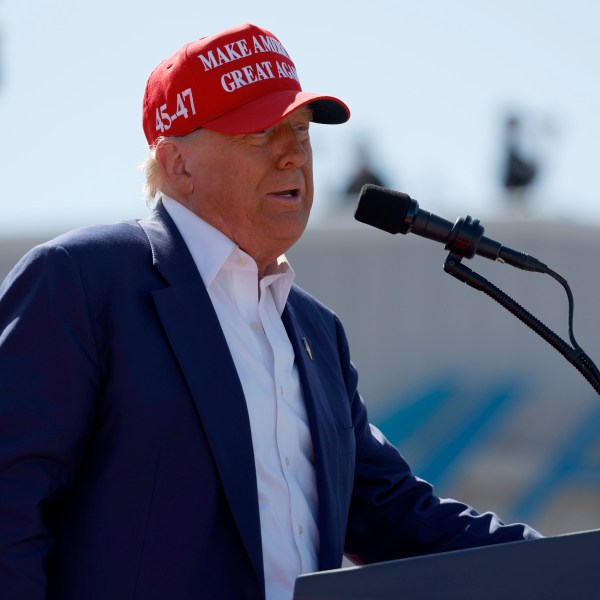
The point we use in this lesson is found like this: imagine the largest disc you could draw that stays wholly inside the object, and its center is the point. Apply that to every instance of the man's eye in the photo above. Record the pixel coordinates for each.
(258, 137)
(302, 131)
(262, 133)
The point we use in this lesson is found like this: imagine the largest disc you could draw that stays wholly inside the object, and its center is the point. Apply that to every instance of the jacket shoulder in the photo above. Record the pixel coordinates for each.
(111, 249)
(110, 236)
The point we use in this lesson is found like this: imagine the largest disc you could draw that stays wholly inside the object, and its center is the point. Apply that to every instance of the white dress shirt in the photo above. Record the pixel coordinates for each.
(265, 362)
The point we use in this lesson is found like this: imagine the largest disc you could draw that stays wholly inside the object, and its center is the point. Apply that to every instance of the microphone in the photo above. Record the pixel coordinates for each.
(396, 212)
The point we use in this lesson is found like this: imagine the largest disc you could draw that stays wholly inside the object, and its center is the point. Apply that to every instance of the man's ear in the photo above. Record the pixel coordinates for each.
(171, 157)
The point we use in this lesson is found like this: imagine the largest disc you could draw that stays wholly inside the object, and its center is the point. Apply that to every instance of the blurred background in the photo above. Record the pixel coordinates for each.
(481, 108)
(439, 91)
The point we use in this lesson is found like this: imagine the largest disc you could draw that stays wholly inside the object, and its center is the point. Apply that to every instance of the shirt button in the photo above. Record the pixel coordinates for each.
(287, 461)
(254, 326)
(243, 261)
(281, 390)
(300, 529)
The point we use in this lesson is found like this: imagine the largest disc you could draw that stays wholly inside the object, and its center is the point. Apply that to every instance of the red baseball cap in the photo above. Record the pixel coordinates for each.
(239, 81)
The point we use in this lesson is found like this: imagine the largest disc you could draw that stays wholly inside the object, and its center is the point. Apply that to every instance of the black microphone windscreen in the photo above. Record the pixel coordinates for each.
(384, 208)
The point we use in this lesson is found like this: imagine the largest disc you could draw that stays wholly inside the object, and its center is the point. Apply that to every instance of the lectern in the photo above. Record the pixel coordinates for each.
(555, 568)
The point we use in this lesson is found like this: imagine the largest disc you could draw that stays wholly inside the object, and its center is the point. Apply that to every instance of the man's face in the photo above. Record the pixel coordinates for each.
(256, 188)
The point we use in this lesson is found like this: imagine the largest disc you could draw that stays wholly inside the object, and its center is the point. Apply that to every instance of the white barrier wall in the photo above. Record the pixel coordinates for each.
(478, 403)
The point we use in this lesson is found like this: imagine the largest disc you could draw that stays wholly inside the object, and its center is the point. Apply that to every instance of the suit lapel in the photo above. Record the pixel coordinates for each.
(322, 426)
(195, 335)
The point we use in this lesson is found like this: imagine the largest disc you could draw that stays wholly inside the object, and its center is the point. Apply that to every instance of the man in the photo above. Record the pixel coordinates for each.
(178, 420)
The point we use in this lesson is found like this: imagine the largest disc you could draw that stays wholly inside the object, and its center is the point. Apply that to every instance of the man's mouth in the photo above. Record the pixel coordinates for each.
(291, 193)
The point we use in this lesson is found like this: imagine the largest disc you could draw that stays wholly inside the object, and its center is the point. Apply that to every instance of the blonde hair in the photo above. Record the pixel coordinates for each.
(153, 173)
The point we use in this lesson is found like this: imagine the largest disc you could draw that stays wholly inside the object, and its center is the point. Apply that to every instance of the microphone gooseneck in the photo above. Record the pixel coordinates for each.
(396, 212)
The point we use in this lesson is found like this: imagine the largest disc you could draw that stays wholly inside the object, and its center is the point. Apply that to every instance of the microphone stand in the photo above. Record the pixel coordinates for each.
(463, 243)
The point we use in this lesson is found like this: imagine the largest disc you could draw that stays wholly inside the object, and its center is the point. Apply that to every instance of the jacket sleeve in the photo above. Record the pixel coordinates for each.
(48, 378)
(394, 514)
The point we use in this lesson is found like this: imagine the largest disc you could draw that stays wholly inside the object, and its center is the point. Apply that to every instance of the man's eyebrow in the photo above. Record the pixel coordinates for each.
(306, 111)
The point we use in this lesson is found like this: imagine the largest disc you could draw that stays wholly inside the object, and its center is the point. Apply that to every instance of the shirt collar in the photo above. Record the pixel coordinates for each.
(211, 250)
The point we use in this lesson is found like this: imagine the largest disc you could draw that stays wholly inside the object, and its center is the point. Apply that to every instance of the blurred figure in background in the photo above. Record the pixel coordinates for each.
(364, 172)
(520, 170)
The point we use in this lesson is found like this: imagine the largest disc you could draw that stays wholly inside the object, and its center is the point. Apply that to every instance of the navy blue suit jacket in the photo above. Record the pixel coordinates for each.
(126, 465)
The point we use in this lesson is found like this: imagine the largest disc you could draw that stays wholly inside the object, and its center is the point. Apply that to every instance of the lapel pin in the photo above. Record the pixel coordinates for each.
(307, 348)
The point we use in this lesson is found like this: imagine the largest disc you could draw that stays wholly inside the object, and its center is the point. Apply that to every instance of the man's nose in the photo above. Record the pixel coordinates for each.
(292, 152)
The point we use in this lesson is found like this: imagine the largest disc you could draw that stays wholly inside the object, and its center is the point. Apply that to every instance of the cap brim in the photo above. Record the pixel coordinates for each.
(267, 110)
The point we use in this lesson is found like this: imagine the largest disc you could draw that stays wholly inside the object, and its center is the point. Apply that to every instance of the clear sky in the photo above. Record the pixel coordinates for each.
(429, 84)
